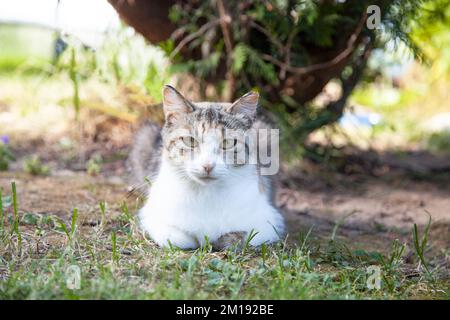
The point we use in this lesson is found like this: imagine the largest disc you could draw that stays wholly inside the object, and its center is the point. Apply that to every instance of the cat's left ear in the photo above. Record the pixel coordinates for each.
(246, 104)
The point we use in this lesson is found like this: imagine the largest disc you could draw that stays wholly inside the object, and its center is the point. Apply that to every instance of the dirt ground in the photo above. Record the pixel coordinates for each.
(371, 211)
(374, 198)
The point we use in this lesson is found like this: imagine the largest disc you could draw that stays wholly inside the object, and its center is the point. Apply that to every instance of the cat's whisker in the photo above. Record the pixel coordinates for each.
(135, 192)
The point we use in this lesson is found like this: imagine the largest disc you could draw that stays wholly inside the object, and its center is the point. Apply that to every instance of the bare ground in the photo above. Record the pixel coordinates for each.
(374, 198)
(371, 211)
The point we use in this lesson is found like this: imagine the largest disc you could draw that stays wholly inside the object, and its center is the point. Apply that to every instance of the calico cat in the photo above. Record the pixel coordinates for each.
(200, 188)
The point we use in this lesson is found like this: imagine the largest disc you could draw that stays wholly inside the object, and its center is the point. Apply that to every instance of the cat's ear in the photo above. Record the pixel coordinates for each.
(246, 104)
(174, 104)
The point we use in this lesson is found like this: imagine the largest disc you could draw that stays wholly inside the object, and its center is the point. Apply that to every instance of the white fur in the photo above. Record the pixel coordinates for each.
(182, 210)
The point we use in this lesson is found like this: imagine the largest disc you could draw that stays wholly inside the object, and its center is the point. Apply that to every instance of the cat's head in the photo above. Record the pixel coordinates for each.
(206, 141)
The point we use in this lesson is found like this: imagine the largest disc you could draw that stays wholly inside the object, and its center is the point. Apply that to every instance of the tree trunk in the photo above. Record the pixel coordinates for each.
(149, 18)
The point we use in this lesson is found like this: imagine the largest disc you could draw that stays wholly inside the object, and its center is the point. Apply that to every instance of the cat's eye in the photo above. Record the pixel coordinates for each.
(189, 141)
(229, 143)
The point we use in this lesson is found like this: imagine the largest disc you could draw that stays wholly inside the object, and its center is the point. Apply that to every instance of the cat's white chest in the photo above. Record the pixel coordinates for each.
(219, 207)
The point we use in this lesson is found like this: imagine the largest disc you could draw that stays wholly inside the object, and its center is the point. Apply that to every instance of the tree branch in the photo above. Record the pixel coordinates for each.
(193, 35)
(225, 21)
(267, 34)
(324, 65)
(334, 109)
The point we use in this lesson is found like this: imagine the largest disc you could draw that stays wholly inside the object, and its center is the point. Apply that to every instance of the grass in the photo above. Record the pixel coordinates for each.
(25, 47)
(123, 60)
(43, 256)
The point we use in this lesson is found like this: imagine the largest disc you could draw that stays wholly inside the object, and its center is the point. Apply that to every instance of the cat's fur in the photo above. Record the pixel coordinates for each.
(193, 194)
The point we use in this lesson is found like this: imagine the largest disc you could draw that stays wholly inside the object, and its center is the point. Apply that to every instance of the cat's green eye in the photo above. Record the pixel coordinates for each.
(229, 143)
(189, 141)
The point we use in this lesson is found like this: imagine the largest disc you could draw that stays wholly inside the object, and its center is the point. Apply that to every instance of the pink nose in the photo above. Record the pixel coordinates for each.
(208, 168)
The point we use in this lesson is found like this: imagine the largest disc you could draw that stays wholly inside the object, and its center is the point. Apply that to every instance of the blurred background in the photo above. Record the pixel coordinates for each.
(364, 112)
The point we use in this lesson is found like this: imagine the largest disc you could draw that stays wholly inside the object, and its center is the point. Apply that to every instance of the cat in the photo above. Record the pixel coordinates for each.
(194, 193)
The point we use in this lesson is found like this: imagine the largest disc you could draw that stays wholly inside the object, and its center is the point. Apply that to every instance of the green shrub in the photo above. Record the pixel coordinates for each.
(5, 154)
(34, 166)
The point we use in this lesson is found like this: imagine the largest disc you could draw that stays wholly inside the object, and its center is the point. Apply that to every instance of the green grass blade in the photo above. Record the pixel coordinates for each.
(339, 222)
(102, 206)
(74, 222)
(63, 227)
(420, 245)
(251, 235)
(16, 216)
(264, 253)
(73, 75)
(114, 247)
(2, 214)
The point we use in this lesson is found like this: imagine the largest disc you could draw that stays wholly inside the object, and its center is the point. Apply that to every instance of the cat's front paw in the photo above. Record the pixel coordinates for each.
(228, 240)
(174, 237)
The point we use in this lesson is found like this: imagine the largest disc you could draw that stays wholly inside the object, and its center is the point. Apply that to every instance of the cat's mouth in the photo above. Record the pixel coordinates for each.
(207, 178)
(203, 179)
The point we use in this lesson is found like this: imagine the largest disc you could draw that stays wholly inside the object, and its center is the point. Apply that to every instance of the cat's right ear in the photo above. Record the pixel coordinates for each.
(174, 104)
(246, 104)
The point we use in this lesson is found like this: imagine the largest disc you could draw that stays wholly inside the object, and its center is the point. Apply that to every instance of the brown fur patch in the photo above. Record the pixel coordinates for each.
(230, 239)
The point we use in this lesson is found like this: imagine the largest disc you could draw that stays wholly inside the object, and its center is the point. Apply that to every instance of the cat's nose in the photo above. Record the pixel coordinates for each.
(208, 168)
